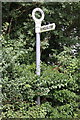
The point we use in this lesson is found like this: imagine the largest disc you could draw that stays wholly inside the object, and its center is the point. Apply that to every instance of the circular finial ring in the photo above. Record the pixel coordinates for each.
(33, 15)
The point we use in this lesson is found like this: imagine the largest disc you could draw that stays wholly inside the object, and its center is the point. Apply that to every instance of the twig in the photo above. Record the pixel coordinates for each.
(10, 26)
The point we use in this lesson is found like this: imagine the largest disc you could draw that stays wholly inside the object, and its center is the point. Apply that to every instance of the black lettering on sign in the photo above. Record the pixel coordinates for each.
(47, 27)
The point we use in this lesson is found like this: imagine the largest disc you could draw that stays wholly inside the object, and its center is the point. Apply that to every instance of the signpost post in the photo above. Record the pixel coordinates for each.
(38, 30)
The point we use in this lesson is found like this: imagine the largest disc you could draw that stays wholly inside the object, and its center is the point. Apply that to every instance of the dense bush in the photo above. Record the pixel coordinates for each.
(58, 85)
(58, 89)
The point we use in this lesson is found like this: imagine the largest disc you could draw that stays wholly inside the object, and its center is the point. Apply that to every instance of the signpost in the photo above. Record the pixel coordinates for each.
(38, 30)
(47, 27)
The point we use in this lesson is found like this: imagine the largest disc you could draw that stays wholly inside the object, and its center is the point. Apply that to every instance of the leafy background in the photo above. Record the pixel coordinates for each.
(59, 83)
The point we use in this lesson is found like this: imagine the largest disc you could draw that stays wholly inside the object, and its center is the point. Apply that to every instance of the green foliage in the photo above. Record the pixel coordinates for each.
(58, 85)
(65, 96)
(65, 111)
(52, 85)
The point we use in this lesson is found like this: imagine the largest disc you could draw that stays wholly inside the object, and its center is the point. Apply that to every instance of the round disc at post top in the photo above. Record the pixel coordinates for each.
(33, 14)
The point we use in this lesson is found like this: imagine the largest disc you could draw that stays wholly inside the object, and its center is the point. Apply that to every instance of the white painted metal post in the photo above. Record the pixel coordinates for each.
(38, 60)
(37, 31)
(38, 54)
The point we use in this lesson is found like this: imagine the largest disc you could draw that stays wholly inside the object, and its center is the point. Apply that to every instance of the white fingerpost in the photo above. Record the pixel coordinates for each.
(37, 31)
